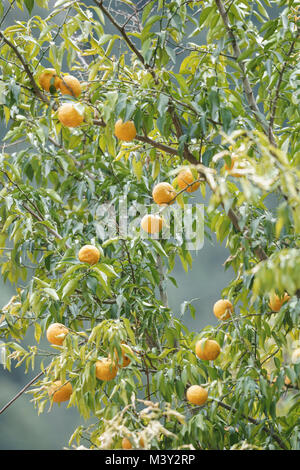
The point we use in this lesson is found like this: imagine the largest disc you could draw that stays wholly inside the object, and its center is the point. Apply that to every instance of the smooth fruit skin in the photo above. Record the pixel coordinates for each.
(207, 350)
(164, 193)
(277, 302)
(106, 370)
(126, 444)
(69, 85)
(55, 332)
(152, 223)
(185, 178)
(59, 392)
(45, 79)
(196, 395)
(69, 116)
(125, 361)
(125, 130)
(223, 309)
(89, 254)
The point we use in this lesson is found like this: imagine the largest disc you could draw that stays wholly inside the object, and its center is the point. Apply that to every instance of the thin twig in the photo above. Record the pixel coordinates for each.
(21, 392)
(273, 106)
(246, 83)
(26, 68)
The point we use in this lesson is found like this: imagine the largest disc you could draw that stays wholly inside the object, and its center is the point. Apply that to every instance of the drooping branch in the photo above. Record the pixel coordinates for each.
(254, 421)
(125, 36)
(246, 83)
(26, 68)
(274, 103)
(164, 147)
(23, 390)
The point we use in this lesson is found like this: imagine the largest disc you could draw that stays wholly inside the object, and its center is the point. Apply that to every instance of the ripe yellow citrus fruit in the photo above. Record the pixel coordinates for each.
(287, 381)
(125, 361)
(56, 333)
(233, 166)
(185, 178)
(126, 444)
(196, 395)
(89, 254)
(106, 370)
(164, 193)
(60, 392)
(223, 309)
(69, 116)
(70, 85)
(207, 349)
(296, 356)
(277, 302)
(152, 223)
(125, 130)
(142, 442)
(46, 79)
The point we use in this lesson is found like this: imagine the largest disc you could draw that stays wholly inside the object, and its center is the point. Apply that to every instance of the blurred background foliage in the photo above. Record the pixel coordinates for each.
(20, 426)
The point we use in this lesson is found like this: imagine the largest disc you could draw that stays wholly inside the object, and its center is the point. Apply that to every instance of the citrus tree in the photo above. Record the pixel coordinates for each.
(124, 110)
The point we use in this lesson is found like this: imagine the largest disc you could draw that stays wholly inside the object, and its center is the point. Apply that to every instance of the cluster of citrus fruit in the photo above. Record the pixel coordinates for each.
(208, 350)
(107, 368)
(67, 113)
(165, 194)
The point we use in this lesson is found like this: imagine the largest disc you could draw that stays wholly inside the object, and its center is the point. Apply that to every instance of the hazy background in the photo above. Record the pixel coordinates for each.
(20, 426)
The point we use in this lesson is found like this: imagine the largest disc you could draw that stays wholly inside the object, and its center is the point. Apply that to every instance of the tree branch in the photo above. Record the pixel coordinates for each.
(277, 92)
(21, 392)
(255, 422)
(246, 83)
(26, 68)
(125, 36)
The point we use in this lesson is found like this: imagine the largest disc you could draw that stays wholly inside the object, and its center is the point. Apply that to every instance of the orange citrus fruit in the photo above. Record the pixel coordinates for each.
(164, 193)
(186, 178)
(69, 116)
(106, 370)
(60, 392)
(277, 302)
(287, 381)
(46, 79)
(56, 333)
(196, 395)
(125, 130)
(142, 442)
(223, 309)
(89, 254)
(207, 349)
(70, 85)
(125, 361)
(152, 223)
(126, 444)
(233, 166)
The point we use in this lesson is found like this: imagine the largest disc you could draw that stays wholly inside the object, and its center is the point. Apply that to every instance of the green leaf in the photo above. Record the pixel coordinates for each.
(51, 292)
(70, 287)
(29, 5)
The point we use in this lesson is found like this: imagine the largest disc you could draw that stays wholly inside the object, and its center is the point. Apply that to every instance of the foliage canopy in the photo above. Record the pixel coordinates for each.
(205, 83)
